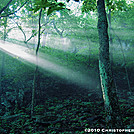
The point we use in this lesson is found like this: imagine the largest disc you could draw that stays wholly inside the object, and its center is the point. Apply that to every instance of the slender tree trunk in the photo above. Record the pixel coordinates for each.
(5, 29)
(111, 38)
(37, 49)
(36, 70)
(113, 117)
(3, 56)
(2, 72)
(124, 60)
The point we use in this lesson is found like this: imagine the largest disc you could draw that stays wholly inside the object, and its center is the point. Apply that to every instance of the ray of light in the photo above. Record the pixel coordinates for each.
(65, 73)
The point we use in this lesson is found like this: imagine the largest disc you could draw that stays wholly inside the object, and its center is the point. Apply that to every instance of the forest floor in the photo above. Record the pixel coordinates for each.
(62, 105)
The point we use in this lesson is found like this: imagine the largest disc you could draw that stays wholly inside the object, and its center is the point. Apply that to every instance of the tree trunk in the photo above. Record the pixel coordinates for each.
(111, 38)
(113, 117)
(5, 29)
(36, 69)
(3, 57)
(2, 72)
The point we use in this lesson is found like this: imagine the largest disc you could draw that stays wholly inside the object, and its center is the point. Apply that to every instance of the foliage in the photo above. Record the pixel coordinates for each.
(89, 5)
(114, 5)
(52, 5)
(125, 19)
(68, 58)
(62, 116)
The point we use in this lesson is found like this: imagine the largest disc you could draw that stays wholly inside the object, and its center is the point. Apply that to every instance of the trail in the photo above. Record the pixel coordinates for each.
(68, 74)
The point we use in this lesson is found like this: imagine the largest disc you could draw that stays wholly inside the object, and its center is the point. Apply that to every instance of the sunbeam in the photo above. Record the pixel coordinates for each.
(61, 71)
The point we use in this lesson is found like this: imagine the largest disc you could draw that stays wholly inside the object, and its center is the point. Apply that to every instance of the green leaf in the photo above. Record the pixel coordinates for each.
(36, 9)
(33, 31)
(30, 9)
(61, 4)
(47, 4)
(51, 9)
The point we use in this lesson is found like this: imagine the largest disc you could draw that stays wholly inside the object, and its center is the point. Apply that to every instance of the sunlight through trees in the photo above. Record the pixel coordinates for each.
(66, 66)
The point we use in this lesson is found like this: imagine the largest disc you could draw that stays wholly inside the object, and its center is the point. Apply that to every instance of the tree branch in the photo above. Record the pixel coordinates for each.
(37, 31)
(14, 11)
(20, 30)
(5, 6)
(57, 30)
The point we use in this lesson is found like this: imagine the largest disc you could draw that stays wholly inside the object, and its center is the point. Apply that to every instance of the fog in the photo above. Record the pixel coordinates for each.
(76, 77)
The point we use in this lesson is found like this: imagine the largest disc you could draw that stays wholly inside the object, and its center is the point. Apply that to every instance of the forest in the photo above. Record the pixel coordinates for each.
(66, 66)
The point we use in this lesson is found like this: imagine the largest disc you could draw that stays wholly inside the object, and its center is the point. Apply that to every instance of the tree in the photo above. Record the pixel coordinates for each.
(113, 117)
(52, 6)
(112, 109)
(36, 70)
